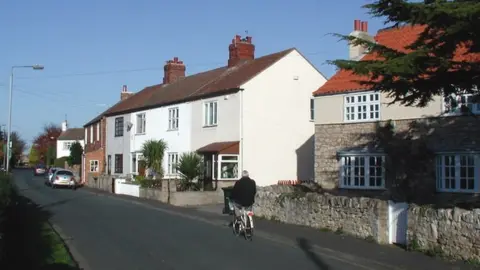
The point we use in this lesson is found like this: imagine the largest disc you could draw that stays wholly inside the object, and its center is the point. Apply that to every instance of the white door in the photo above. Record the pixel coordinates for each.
(398, 222)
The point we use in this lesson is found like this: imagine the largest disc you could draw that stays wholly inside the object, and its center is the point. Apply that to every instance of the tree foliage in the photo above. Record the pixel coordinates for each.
(47, 138)
(428, 69)
(33, 157)
(153, 152)
(18, 147)
(76, 151)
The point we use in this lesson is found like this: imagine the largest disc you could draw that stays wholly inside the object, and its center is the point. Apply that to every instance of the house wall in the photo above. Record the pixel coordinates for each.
(118, 145)
(228, 115)
(330, 110)
(441, 134)
(157, 121)
(277, 130)
(95, 150)
(66, 152)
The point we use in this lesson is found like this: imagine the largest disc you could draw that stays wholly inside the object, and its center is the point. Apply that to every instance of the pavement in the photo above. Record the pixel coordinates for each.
(106, 231)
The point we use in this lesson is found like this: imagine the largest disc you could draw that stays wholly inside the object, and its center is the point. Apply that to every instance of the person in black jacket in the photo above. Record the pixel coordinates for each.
(243, 193)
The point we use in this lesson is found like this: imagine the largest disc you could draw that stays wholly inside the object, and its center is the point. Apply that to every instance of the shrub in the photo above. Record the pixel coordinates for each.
(148, 183)
(7, 191)
(60, 162)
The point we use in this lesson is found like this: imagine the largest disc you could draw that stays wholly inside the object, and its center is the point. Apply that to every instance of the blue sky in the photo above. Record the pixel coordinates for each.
(91, 48)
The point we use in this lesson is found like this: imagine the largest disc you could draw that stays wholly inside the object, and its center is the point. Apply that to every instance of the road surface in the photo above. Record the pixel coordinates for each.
(114, 232)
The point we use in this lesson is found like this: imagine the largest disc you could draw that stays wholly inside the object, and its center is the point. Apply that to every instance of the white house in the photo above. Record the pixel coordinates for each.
(67, 138)
(254, 114)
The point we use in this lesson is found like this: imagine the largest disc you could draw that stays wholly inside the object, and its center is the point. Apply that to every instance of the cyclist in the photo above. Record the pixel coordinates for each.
(243, 193)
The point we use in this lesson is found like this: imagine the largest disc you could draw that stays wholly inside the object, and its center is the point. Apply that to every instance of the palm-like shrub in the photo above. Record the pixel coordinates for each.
(153, 152)
(190, 166)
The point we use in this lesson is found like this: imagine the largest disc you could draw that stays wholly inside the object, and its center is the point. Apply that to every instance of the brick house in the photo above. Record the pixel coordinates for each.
(94, 162)
(430, 150)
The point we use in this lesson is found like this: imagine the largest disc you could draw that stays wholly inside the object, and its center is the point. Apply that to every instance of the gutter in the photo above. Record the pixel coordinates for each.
(240, 149)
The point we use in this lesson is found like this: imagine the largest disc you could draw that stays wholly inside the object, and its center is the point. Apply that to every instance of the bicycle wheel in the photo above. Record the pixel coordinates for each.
(248, 231)
(236, 227)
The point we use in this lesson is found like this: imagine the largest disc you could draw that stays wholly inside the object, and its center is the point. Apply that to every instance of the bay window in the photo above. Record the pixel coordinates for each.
(362, 171)
(458, 172)
(228, 166)
(455, 104)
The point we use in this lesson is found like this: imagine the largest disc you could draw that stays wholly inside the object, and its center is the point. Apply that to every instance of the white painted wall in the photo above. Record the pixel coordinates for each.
(118, 145)
(62, 152)
(157, 127)
(278, 133)
(228, 115)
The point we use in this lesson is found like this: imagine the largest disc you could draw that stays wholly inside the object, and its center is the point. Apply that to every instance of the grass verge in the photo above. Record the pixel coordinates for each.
(28, 240)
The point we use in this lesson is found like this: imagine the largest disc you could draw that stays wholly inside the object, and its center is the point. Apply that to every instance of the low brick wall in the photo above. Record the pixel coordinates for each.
(189, 198)
(361, 217)
(154, 194)
(451, 232)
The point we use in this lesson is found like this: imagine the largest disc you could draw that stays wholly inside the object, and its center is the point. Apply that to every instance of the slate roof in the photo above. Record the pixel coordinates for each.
(74, 134)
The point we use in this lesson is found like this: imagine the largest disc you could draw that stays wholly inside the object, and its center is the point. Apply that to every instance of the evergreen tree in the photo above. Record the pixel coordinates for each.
(76, 151)
(429, 69)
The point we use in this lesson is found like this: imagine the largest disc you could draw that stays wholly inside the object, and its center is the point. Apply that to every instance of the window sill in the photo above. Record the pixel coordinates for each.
(212, 126)
(312, 120)
(457, 191)
(140, 134)
(172, 129)
(117, 136)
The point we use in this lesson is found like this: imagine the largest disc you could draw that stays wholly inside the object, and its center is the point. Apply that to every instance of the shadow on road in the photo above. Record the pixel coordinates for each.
(29, 242)
(306, 247)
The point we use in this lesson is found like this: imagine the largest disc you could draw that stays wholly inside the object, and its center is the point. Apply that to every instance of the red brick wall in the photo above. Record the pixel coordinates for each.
(96, 150)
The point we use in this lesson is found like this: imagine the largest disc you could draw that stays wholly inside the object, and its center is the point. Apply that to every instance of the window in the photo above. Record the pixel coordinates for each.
(364, 107)
(455, 104)
(91, 134)
(228, 166)
(141, 122)
(458, 172)
(173, 119)
(118, 163)
(93, 165)
(362, 172)
(67, 145)
(210, 114)
(98, 131)
(109, 164)
(119, 127)
(134, 163)
(172, 163)
(312, 109)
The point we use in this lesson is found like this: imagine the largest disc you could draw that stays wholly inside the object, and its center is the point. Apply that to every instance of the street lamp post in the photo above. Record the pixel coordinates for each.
(34, 67)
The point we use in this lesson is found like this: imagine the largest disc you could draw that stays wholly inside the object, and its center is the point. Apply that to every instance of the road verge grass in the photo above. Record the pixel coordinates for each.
(28, 241)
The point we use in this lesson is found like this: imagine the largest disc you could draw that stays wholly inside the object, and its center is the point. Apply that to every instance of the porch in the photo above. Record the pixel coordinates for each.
(221, 160)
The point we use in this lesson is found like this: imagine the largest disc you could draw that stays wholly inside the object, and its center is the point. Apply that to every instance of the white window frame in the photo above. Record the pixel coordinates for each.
(210, 113)
(172, 161)
(231, 161)
(461, 100)
(98, 131)
(173, 116)
(141, 122)
(67, 145)
(344, 168)
(91, 134)
(369, 104)
(442, 166)
(312, 109)
(94, 164)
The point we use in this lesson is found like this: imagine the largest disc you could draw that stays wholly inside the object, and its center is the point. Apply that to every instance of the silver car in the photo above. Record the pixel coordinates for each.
(50, 173)
(64, 178)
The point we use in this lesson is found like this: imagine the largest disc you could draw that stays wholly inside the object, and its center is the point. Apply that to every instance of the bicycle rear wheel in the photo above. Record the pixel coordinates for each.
(236, 227)
(248, 232)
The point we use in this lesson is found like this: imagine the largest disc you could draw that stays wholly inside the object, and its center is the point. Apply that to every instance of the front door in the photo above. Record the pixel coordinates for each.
(210, 171)
(109, 165)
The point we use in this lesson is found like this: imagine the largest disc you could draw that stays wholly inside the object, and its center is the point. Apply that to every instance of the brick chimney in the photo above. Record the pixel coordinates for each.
(125, 94)
(360, 30)
(240, 50)
(174, 71)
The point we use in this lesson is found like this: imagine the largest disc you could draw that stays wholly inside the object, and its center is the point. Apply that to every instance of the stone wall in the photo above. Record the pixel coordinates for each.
(451, 232)
(441, 134)
(102, 182)
(359, 216)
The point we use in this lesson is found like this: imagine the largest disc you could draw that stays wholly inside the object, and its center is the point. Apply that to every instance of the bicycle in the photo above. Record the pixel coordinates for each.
(244, 223)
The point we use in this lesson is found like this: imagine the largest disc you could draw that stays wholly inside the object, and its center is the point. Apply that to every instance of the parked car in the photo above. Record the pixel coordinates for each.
(50, 173)
(63, 178)
(39, 170)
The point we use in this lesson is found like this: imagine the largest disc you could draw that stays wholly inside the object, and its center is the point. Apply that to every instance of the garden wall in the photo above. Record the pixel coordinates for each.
(453, 232)
(361, 217)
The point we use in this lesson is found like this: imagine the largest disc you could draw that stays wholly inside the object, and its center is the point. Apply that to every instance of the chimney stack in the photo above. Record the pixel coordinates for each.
(240, 50)
(360, 30)
(64, 126)
(125, 94)
(174, 71)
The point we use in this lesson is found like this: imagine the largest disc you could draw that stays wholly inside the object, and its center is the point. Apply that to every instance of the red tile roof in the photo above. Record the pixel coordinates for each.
(209, 83)
(395, 38)
(221, 148)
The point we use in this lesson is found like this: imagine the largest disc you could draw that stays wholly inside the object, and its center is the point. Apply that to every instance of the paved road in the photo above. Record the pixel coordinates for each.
(112, 232)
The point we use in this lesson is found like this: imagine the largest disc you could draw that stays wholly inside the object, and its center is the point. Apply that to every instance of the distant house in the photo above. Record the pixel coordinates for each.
(252, 114)
(67, 138)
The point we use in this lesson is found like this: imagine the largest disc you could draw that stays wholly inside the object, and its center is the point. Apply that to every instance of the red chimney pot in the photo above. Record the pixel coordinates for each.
(357, 25)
